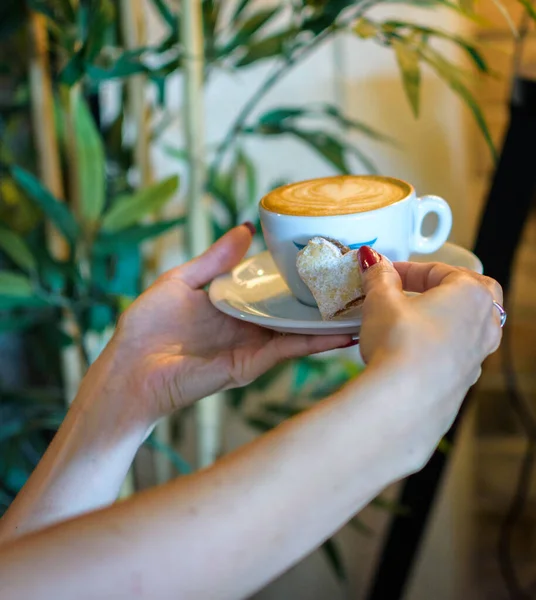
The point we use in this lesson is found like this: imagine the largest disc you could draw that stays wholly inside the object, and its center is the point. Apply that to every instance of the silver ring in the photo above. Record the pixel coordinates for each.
(502, 313)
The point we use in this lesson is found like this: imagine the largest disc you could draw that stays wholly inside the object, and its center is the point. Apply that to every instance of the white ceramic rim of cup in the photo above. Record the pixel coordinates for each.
(411, 194)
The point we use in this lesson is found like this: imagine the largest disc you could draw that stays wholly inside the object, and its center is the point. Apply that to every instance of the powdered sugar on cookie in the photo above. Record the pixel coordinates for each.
(331, 271)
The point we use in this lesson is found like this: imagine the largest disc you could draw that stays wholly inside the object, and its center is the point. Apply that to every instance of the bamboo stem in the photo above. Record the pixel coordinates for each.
(198, 210)
(134, 35)
(42, 102)
(208, 410)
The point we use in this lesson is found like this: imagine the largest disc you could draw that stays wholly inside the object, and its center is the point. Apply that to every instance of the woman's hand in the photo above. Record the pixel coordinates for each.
(440, 337)
(452, 322)
(172, 347)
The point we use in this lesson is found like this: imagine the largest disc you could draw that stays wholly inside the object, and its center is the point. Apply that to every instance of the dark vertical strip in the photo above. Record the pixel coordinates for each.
(503, 219)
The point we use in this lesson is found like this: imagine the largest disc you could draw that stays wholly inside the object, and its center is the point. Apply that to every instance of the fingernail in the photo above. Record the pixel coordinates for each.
(367, 257)
(350, 344)
(250, 226)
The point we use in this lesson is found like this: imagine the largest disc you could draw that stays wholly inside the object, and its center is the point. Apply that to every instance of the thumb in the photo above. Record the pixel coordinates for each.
(220, 258)
(377, 272)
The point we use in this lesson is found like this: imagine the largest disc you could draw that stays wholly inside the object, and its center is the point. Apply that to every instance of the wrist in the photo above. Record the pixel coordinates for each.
(391, 392)
(106, 405)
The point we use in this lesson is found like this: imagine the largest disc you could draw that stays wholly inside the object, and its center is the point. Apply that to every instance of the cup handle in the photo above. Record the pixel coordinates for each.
(423, 206)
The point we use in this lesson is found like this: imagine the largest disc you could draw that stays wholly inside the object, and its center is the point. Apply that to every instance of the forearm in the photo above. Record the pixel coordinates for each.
(226, 531)
(82, 469)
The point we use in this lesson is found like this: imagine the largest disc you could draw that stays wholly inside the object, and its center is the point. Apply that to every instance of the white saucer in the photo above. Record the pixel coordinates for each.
(255, 292)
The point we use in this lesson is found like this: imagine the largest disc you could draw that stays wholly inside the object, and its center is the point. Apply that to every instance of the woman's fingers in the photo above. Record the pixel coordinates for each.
(220, 258)
(378, 274)
(420, 277)
(284, 347)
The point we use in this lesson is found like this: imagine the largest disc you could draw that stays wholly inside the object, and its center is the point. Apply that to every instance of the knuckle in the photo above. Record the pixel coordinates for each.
(492, 285)
(494, 339)
(477, 290)
(496, 289)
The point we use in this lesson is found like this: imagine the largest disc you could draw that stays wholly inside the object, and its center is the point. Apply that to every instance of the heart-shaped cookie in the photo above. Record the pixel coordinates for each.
(331, 271)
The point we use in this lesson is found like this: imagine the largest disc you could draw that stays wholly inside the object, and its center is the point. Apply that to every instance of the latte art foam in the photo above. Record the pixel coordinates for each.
(342, 195)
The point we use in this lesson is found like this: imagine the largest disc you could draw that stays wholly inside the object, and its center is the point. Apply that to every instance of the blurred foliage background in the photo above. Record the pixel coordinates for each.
(80, 213)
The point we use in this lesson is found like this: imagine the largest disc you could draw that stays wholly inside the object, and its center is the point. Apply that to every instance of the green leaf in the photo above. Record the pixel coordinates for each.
(11, 322)
(18, 302)
(114, 242)
(90, 164)
(329, 387)
(55, 274)
(100, 317)
(282, 410)
(17, 249)
(101, 16)
(221, 187)
(468, 47)
(241, 5)
(302, 373)
(123, 302)
(173, 152)
(180, 464)
(451, 75)
(56, 211)
(245, 172)
(268, 378)
(43, 7)
(467, 5)
(236, 397)
(351, 368)
(276, 120)
(331, 552)
(408, 63)
(530, 7)
(218, 230)
(391, 506)
(166, 13)
(128, 210)
(260, 423)
(266, 48)
(365, 29)
(326, 145)
(249, 28)
(327, 16)
(15, 285)
(74, 70)
(211, 11)
(319, 366)
(123, 276)
(360, 526)
(444, 446)
(334, 111)
(124, 66)
(59, 10)
(277, 116)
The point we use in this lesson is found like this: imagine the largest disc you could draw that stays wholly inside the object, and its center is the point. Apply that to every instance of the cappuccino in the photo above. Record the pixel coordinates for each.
(345, 209)
(341, 195)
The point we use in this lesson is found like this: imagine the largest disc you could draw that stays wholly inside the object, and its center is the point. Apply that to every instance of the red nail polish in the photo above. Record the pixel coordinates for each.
(367, 257)
(350, 344)
(250, 226)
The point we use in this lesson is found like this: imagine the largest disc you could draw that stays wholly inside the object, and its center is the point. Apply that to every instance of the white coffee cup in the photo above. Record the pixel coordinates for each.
(394, 230)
